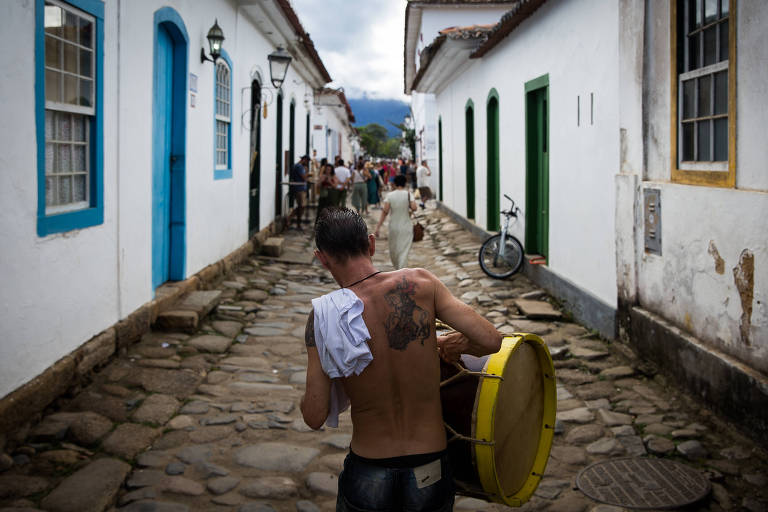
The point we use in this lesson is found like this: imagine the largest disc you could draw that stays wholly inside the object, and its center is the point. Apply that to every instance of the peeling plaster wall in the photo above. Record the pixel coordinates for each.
(583, 160)
(712, 276)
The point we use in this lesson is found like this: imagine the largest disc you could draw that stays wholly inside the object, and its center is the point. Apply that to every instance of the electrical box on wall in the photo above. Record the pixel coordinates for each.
(652, 216)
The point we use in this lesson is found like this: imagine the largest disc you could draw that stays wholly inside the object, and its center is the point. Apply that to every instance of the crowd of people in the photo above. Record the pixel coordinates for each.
(389, 186)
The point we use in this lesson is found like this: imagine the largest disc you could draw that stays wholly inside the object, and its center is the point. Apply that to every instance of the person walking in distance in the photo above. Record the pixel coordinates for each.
(384, 362)
(399, 204)
(298, 188)
(326, 186)
(422, 182)
(359, 190)
(312, 178)
(344, 177)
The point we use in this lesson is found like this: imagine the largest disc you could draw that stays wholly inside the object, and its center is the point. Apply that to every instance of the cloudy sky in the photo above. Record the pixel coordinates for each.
(360, 42)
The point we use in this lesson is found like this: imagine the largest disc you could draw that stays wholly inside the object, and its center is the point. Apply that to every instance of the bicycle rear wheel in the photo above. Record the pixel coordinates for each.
(501, 267)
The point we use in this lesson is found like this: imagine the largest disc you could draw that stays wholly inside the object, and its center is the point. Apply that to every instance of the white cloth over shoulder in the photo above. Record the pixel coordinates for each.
(340, 337)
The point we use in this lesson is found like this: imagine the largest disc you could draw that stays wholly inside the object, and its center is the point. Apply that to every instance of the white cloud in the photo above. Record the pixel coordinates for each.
(360, 42)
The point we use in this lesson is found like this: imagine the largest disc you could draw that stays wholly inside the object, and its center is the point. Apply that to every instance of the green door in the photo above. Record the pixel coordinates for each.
(537, 166)
(279, 156)
(492, 190)
(469, 119)
(440, 155)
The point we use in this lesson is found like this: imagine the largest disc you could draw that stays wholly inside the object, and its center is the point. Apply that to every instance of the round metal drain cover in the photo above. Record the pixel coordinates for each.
(642, 483)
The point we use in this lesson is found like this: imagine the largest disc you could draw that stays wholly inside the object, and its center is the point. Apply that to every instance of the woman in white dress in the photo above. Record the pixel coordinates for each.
(399, 203)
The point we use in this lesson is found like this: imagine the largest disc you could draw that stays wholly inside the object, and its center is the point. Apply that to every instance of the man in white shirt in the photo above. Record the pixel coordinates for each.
(344, 176)
(421, 181)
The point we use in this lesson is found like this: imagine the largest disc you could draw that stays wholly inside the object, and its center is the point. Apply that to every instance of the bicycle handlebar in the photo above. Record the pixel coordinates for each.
(513, 208)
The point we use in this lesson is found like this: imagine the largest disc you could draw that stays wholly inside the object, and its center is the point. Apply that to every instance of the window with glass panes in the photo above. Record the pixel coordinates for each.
(222, 115)
(69, 106)
(703, 67)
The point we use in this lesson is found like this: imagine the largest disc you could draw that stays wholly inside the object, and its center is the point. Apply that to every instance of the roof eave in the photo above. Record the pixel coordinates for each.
(509, 22)
(411, 36)
(450, 57)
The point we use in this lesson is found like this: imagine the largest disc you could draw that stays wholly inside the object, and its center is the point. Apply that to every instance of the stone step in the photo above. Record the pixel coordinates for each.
(186, 314)
(273, 246)
(537, 309)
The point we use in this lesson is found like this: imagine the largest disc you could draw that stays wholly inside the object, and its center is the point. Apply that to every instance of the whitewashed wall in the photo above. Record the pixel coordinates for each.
(60, 290)
(217, 210)
(433, 20)
(425, 124)
(327, 144)
(683, 285)
(582, 159)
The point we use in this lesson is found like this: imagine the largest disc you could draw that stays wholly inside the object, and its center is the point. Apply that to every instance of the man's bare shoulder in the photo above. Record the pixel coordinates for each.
(420, 275)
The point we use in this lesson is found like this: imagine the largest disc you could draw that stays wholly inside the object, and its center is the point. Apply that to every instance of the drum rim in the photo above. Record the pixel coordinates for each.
(487, 394)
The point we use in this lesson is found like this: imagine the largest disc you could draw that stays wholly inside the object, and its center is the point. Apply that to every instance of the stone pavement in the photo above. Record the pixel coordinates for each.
(210, 420)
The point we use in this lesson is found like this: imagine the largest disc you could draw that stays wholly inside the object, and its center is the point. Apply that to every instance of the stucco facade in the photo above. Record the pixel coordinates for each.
(681, 277)
(709, 278)
(583, 153)
(61, 289)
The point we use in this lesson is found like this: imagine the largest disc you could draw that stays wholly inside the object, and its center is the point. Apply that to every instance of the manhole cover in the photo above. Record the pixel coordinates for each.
(642, 483)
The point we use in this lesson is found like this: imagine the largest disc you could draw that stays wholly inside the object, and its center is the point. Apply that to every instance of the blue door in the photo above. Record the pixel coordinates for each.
(161, 164)
(169, 128)
(168, 162)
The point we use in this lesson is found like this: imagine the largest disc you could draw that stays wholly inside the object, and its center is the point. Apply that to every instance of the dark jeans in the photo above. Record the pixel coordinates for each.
(365, 487)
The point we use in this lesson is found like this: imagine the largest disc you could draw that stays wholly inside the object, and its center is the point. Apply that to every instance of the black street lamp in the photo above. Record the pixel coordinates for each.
(215, 38)
(279, 60)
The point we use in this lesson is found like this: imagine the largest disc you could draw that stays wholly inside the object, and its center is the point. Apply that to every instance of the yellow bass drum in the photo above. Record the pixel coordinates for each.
(499, 411)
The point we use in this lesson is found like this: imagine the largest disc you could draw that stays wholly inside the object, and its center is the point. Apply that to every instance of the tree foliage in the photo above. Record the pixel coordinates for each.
(409, 138)
(373, 137)
(376, 141)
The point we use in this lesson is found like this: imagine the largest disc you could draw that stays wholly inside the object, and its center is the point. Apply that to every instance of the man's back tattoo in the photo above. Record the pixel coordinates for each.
(309, 330)
(407, 321)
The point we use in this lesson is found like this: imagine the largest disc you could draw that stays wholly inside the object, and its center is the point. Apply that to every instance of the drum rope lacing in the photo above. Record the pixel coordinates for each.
(463, 371)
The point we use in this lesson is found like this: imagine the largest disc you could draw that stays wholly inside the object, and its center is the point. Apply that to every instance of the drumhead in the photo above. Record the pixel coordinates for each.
(518, 415)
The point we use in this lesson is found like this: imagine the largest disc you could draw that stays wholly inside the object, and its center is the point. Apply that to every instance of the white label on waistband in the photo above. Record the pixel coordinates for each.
(427, 474)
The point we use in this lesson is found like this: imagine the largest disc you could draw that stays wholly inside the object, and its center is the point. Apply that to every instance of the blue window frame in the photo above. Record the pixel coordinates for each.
(222, 117)
(69, 92)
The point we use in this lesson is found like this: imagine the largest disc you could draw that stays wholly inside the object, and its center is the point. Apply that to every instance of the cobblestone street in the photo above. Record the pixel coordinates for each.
(210, 420)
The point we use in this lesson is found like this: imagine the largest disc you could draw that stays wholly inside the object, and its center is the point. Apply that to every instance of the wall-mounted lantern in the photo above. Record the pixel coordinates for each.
(215, 38)
(279, 60)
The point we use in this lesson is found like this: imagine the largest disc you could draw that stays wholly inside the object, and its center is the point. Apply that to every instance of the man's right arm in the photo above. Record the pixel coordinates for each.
(478, 336)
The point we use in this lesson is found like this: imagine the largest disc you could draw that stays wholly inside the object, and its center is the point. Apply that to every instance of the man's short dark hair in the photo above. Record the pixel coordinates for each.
(341, 233)
(400, 180)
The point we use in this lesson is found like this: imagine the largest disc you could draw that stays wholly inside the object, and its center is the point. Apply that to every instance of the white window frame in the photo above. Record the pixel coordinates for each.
(223, 99)
(55, 107)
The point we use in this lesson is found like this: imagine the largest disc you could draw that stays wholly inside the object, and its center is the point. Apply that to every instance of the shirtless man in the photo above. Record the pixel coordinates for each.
(398, 455)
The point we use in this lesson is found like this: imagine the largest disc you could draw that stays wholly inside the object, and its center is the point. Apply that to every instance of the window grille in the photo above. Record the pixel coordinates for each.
(703, 67)
(223, 118)
(69, 106)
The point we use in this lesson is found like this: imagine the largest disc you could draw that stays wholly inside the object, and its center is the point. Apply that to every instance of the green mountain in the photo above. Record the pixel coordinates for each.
(370, 110)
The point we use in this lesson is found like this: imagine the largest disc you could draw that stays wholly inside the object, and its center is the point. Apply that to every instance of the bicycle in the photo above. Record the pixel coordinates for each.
(502, 255)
